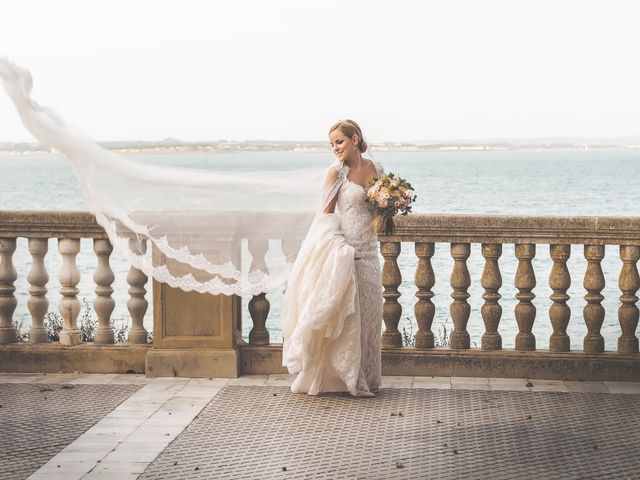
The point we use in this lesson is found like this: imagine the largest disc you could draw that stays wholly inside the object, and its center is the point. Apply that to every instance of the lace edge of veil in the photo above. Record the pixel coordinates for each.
(253, 283)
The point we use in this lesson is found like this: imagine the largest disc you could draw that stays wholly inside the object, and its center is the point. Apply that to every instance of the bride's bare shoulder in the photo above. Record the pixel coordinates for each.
(377, 166)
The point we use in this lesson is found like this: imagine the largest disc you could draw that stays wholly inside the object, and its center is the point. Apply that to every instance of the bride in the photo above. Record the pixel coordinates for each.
(332, 309)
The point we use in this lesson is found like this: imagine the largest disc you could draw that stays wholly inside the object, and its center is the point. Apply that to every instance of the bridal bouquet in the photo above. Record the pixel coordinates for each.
(387, 196)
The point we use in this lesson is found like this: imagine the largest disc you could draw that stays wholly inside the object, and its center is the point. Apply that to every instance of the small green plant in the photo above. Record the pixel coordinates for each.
(54, 323)
(441, 335)
(21, 334)
(408, 338)
(120, 331)
(88, 323)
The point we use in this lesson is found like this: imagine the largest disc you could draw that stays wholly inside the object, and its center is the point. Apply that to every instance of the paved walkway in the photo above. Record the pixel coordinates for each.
(128, 426)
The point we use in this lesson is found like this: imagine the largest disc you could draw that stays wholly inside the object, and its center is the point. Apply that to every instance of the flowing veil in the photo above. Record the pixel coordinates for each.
(210, 230)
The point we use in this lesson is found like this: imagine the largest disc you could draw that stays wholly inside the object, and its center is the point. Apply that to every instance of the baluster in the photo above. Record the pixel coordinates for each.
(491, 310)
(104, 303)
(259, 305)
(391, 309)
(290, 248)
(593, 312)
(629, 283)
(525, 311)
(559, 311)
(38, 278)
(424, 309)
(460, 282)
(137, 304)
(69, 278)
(8, 302)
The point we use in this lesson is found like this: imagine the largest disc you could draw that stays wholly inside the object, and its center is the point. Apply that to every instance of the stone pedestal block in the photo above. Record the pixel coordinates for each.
(194, 334)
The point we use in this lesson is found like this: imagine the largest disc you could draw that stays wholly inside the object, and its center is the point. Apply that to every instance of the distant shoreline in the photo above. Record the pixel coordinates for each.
(176, 146)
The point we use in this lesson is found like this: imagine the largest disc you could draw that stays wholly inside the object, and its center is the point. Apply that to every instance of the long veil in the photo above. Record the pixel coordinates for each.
(210, 231)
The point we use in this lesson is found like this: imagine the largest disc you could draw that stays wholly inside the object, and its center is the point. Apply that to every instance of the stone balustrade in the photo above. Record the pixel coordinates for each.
(38, 354)
(424, 232)
(68, 228)
(459, 232)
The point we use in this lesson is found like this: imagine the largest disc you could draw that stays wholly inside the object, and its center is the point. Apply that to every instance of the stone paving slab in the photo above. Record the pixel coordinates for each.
(128, 438)
(37, 420)
(265, 431)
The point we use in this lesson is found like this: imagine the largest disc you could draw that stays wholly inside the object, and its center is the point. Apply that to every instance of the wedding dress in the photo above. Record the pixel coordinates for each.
(332, 309)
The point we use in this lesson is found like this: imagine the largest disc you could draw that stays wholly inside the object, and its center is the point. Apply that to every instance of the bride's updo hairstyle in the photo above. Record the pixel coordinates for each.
(351, 128)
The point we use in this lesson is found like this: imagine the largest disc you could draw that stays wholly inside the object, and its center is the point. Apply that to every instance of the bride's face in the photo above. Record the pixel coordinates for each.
(342, 145)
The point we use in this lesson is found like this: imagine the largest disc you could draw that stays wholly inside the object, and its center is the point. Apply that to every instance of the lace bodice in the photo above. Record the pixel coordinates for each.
(355, 216)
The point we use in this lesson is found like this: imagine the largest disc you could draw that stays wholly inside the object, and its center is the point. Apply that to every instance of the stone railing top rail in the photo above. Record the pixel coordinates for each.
(78, 224)
(49, 223)
(516, 229)
(413, 228)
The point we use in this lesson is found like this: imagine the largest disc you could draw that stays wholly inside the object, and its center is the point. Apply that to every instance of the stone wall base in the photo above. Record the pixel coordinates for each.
(440, 362)
(83, 358)
(541, 364)
(262, 359)
(167, 362)
(267, 359)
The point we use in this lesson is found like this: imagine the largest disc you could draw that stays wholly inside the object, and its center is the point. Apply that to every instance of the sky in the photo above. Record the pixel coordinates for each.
(287, 70)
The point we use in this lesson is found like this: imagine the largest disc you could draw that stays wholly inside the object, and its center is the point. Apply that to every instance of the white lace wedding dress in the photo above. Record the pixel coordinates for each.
(332, 310)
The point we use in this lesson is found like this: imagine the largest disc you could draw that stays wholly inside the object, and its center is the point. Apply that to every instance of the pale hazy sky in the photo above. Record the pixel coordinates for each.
(405, 70)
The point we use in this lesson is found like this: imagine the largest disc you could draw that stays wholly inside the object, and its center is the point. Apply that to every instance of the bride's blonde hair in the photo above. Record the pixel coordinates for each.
(351, 128)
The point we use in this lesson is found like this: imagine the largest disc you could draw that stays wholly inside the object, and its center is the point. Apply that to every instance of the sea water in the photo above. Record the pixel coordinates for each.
(511, 182)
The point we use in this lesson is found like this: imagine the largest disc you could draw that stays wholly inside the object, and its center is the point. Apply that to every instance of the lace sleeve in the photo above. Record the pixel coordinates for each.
(336, 176)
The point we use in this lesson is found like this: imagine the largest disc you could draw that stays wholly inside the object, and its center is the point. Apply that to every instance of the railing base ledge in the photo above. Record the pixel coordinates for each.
(83, 358)
(541, 364)
(409, 361)
(261, 359)
(267, 359)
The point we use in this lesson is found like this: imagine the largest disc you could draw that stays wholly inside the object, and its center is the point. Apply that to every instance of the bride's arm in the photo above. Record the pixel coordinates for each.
(330, 192)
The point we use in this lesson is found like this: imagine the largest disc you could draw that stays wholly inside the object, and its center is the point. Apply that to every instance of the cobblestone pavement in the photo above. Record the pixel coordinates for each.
(37, 420)
(262, 431)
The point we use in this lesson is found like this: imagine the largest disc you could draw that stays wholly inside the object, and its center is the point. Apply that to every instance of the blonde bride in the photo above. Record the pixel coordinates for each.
(332, 310)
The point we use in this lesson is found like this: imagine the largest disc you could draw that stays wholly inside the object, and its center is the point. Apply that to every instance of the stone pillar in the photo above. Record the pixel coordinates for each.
(391, 280)
(69, 278)
(559, 312)
(629, 282)
(137, 304)
(525, 310)
(593, 312)
(259, 305)
(424, 309)
(460, 308)
(8, 302)
(290, 248)
(491, 310)
(104, 303)
(259, 308)
(38, 278)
